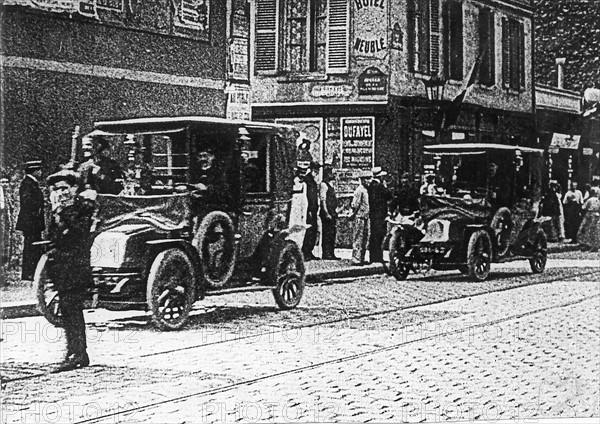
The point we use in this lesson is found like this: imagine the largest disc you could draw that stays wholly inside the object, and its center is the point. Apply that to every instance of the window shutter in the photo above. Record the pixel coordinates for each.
(505, 53)
(486, 47)
(266, 35)
(521, 57)
(338, 35)
(411, 13)
(435, 36)
(456, 36)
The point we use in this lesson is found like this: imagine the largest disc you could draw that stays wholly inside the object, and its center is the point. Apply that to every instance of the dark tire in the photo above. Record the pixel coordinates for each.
(215, 243)
(398, 248)
(47, 295)
(502, 224)
(540, 253)
(171, 289)
(287, 275)
(479, 255)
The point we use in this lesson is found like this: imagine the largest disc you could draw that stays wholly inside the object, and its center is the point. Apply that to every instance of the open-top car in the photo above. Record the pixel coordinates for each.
(202, 209)
(480, 205)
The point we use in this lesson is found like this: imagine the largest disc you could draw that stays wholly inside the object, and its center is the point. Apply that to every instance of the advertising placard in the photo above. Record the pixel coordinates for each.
(358, 137)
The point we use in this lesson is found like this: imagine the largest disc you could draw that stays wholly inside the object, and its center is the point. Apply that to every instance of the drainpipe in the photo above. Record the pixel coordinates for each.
(560, 62)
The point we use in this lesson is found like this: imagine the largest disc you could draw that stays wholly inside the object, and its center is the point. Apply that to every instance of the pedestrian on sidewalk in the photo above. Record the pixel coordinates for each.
(328, 213)
(589, 231)
(312, 212)
(572, 203)
(31, 220)
(379, 197)
(360, 216)
(69, 261)
(6, 218)
(551, 208)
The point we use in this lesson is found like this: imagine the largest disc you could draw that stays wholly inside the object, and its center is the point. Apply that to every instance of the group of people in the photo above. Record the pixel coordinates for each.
(575, 216)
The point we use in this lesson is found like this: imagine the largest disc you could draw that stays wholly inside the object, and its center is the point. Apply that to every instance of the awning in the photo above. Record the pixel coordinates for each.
(565, 141)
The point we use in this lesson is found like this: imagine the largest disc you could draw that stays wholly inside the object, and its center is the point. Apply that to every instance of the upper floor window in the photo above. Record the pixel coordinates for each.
(453, 39)
(302, 36)
(513, 54)
(487, 38)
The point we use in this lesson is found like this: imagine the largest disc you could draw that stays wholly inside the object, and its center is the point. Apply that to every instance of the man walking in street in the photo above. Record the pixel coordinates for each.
(69, 261)
(360, 216)
(312, 217)
(328, 213)
(31, 217)
(379, 196)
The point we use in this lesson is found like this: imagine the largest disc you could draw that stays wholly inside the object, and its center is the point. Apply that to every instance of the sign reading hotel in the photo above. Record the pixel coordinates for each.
(358, 137)
(370, 28)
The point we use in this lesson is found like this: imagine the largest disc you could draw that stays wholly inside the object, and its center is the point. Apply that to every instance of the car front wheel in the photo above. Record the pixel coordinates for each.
(540, 253)
(171, 289)
(398, 268)
(47, 295)
(479, 255)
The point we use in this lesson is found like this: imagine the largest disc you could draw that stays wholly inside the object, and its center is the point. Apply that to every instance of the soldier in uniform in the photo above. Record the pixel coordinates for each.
(31, 217)
(69, 261)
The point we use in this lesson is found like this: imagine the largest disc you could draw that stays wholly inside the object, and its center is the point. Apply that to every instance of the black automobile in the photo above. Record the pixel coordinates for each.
(479, 205)
(203, 210)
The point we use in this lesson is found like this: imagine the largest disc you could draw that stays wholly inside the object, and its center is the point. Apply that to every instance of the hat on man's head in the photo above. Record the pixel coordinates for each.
(33, 165)
(67, 175)
(365, 174)
(378, 172)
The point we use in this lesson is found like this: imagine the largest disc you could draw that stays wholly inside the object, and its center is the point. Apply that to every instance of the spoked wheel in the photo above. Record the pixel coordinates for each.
(398, 248)
(214, 240)
(288, 276)
(479, 255)
(171, 289)
(502, 225)
(540, 253)
(47, 295)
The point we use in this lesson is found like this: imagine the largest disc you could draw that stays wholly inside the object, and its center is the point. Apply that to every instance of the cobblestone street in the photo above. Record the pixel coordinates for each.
(371, 349)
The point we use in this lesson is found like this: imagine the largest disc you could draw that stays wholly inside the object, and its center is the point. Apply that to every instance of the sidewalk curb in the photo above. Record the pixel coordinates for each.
(341, 269)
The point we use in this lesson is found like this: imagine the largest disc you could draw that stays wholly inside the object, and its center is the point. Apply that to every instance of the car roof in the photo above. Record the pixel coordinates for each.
(474, 148)
(178, 122)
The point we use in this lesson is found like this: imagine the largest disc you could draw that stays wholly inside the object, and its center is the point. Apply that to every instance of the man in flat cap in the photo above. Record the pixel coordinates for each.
(379, 196)
(31, 217)
(69, 261)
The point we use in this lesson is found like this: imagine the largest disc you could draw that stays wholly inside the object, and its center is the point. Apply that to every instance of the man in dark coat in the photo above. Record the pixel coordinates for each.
(31, 217)
(312, 195)
(328, 213)
(379, 196)
(69, 261)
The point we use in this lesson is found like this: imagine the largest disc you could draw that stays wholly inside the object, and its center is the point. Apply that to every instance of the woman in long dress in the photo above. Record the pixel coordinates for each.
(589, 231)
(298, 207)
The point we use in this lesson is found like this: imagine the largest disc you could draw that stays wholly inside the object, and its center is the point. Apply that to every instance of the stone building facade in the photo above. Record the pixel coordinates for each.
(68, 64)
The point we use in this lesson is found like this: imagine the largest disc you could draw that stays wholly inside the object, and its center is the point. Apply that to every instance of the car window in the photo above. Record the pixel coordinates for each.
(255, 163)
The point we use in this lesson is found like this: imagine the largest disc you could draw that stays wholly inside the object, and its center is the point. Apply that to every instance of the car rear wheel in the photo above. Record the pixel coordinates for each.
(214, 241)
(287, 274)
(398, 268)
(479, 255)
(540, 253)
(47, 295)
(171, 289)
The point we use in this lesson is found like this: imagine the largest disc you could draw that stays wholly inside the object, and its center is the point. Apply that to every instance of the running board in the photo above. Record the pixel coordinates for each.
(218, 292)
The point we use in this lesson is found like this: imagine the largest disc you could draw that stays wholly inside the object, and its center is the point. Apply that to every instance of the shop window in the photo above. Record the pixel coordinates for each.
(302, 36)
(453, 40)
(513, 54)
(486, 24)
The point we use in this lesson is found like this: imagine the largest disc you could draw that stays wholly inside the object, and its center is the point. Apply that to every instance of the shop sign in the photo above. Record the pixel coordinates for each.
(372, 81)
(358, 138)
(238, 102)
(587, 151)
(330, 90)
(564, 141)
(370, 28)
(85, 8)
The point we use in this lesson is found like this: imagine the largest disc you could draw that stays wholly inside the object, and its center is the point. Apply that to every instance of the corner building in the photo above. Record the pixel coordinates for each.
(350, 75)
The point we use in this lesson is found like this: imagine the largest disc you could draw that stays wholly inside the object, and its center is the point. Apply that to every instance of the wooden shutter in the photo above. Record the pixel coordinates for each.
(412, 49)
(338, 37)
(487, 72)
(266, 35)
(434, 37)
(456, 41)
(505, 53)
(521, 57)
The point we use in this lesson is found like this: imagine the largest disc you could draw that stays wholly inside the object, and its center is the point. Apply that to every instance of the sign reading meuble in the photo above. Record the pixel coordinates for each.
(370, 28)
(358, 135)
